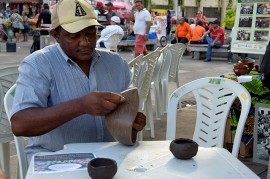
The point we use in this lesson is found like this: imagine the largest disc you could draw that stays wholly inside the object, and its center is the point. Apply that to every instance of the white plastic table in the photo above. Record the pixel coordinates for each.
(153, 159)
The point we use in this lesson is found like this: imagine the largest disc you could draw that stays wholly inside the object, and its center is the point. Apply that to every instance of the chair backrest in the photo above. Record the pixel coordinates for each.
(134, 67)
(160, 63)
(166, 64)
(177, 51)
(8, 77)
(23, 164)
(149, 62)
(114, 40)
(214, 97)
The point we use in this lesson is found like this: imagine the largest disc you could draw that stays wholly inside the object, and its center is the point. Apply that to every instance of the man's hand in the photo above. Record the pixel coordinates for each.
(100, 103)
(134, 7)
(140, 122)
(212, 44)
(145, 37)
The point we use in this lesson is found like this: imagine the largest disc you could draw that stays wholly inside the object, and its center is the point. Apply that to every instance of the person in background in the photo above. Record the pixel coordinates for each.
(182, 32)
(215, 41)
(102, 14)
(26, 29)
(15, 18)
(191, 23)
(110, 12)
(200, 16)
(110, 30)
(64, 90)
(168, 28)
(141, 27)
(197, 33)
(2, 176)
(8, 12)
(1, 25)
(45, 18)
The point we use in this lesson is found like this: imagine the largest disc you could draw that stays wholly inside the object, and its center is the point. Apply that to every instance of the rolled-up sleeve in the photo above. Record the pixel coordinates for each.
(33, 86)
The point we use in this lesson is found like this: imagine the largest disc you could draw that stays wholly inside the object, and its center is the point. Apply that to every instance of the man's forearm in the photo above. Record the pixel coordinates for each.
(148, 26)
(38, 121)
(132, 18)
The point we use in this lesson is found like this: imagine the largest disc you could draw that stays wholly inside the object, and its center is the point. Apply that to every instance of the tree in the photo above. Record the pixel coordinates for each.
(229, 19)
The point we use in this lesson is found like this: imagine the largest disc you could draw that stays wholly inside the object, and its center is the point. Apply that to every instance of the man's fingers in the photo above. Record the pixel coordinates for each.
(114, 98)
(137, 127)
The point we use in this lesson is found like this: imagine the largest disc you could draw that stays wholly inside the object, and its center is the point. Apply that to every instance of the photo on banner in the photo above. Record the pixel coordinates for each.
(261, 148)
(251, 27)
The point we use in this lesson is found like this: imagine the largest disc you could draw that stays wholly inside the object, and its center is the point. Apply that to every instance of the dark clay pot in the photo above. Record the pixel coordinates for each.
(183, 148)
(102, 168)
(241, 71)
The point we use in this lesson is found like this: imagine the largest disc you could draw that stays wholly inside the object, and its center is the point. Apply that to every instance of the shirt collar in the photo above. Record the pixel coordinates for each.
(96, 55)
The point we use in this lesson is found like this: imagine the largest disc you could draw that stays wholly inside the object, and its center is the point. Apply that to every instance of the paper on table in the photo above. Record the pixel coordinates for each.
(61, 162)
(243, 79)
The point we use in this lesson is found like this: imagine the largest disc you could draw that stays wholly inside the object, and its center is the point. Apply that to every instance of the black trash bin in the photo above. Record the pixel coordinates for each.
(11, 47)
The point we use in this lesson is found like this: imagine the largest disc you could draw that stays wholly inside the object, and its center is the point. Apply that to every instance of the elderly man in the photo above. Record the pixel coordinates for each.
(110, 30)
(182, 32)
(142, 19)
(64, 90)
(215, 41)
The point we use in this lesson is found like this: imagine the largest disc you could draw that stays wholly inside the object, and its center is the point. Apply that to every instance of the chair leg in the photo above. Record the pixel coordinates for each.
(149, 115)
(5, 158)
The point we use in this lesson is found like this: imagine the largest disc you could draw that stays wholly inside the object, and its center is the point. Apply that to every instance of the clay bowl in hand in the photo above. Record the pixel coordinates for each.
(102, 168)
(241, 71)
(249, 63)
(183, 148)
(120, 121)
(239, 66)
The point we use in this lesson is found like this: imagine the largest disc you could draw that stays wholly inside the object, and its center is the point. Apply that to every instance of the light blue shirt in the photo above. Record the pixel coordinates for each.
(48, 77)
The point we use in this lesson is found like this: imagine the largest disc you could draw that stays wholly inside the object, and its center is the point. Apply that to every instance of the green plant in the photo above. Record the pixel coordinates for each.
(229, 19)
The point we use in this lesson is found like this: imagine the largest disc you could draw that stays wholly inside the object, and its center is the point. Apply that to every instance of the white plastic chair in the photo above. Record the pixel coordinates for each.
(22, 161)
(156, 80)
(8, 77)
(177, 51)
(164, 78)
(113, 40)
(214, 97)
(134, 67)
(148, 62)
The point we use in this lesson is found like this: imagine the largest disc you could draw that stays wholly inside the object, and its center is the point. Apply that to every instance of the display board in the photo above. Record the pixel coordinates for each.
(251, 27)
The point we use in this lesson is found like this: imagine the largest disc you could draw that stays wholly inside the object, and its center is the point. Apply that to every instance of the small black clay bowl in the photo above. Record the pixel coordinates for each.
(183, 148)
(102, 168)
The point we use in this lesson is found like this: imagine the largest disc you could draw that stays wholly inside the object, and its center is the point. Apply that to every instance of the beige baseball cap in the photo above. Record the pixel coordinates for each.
(73, 15)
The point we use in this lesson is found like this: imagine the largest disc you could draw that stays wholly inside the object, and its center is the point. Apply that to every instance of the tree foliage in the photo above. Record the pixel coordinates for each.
(229, 19)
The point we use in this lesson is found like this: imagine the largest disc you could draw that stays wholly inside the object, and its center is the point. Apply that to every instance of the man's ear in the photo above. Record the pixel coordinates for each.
(55, 34)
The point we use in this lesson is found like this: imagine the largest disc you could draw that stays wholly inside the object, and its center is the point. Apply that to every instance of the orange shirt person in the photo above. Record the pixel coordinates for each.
(182, 32)
(197, 33)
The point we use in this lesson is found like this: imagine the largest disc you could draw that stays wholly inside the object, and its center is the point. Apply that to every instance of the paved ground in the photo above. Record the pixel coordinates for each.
(189, 70)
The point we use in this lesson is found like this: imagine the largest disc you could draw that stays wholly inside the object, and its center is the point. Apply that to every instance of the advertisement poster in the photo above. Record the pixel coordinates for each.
(251, 27)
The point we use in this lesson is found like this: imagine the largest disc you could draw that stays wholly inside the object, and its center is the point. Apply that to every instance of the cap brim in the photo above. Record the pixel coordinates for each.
(80, 25)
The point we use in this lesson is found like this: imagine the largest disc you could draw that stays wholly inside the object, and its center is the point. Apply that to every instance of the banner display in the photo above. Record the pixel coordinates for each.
(251, 27)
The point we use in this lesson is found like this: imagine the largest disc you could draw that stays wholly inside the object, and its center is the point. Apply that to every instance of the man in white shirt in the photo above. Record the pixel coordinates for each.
(114, 28)
(141, 26)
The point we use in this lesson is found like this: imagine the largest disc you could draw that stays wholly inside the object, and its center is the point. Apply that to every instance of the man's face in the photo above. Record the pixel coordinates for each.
(181, 21)
(139, 5)
(215, 26)
(8, 8)
(109, 7)
(78, 46)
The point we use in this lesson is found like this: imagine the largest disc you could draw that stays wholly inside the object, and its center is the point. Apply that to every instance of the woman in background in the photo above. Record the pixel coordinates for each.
(26, 29)
(201, 17)
(15, 18)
